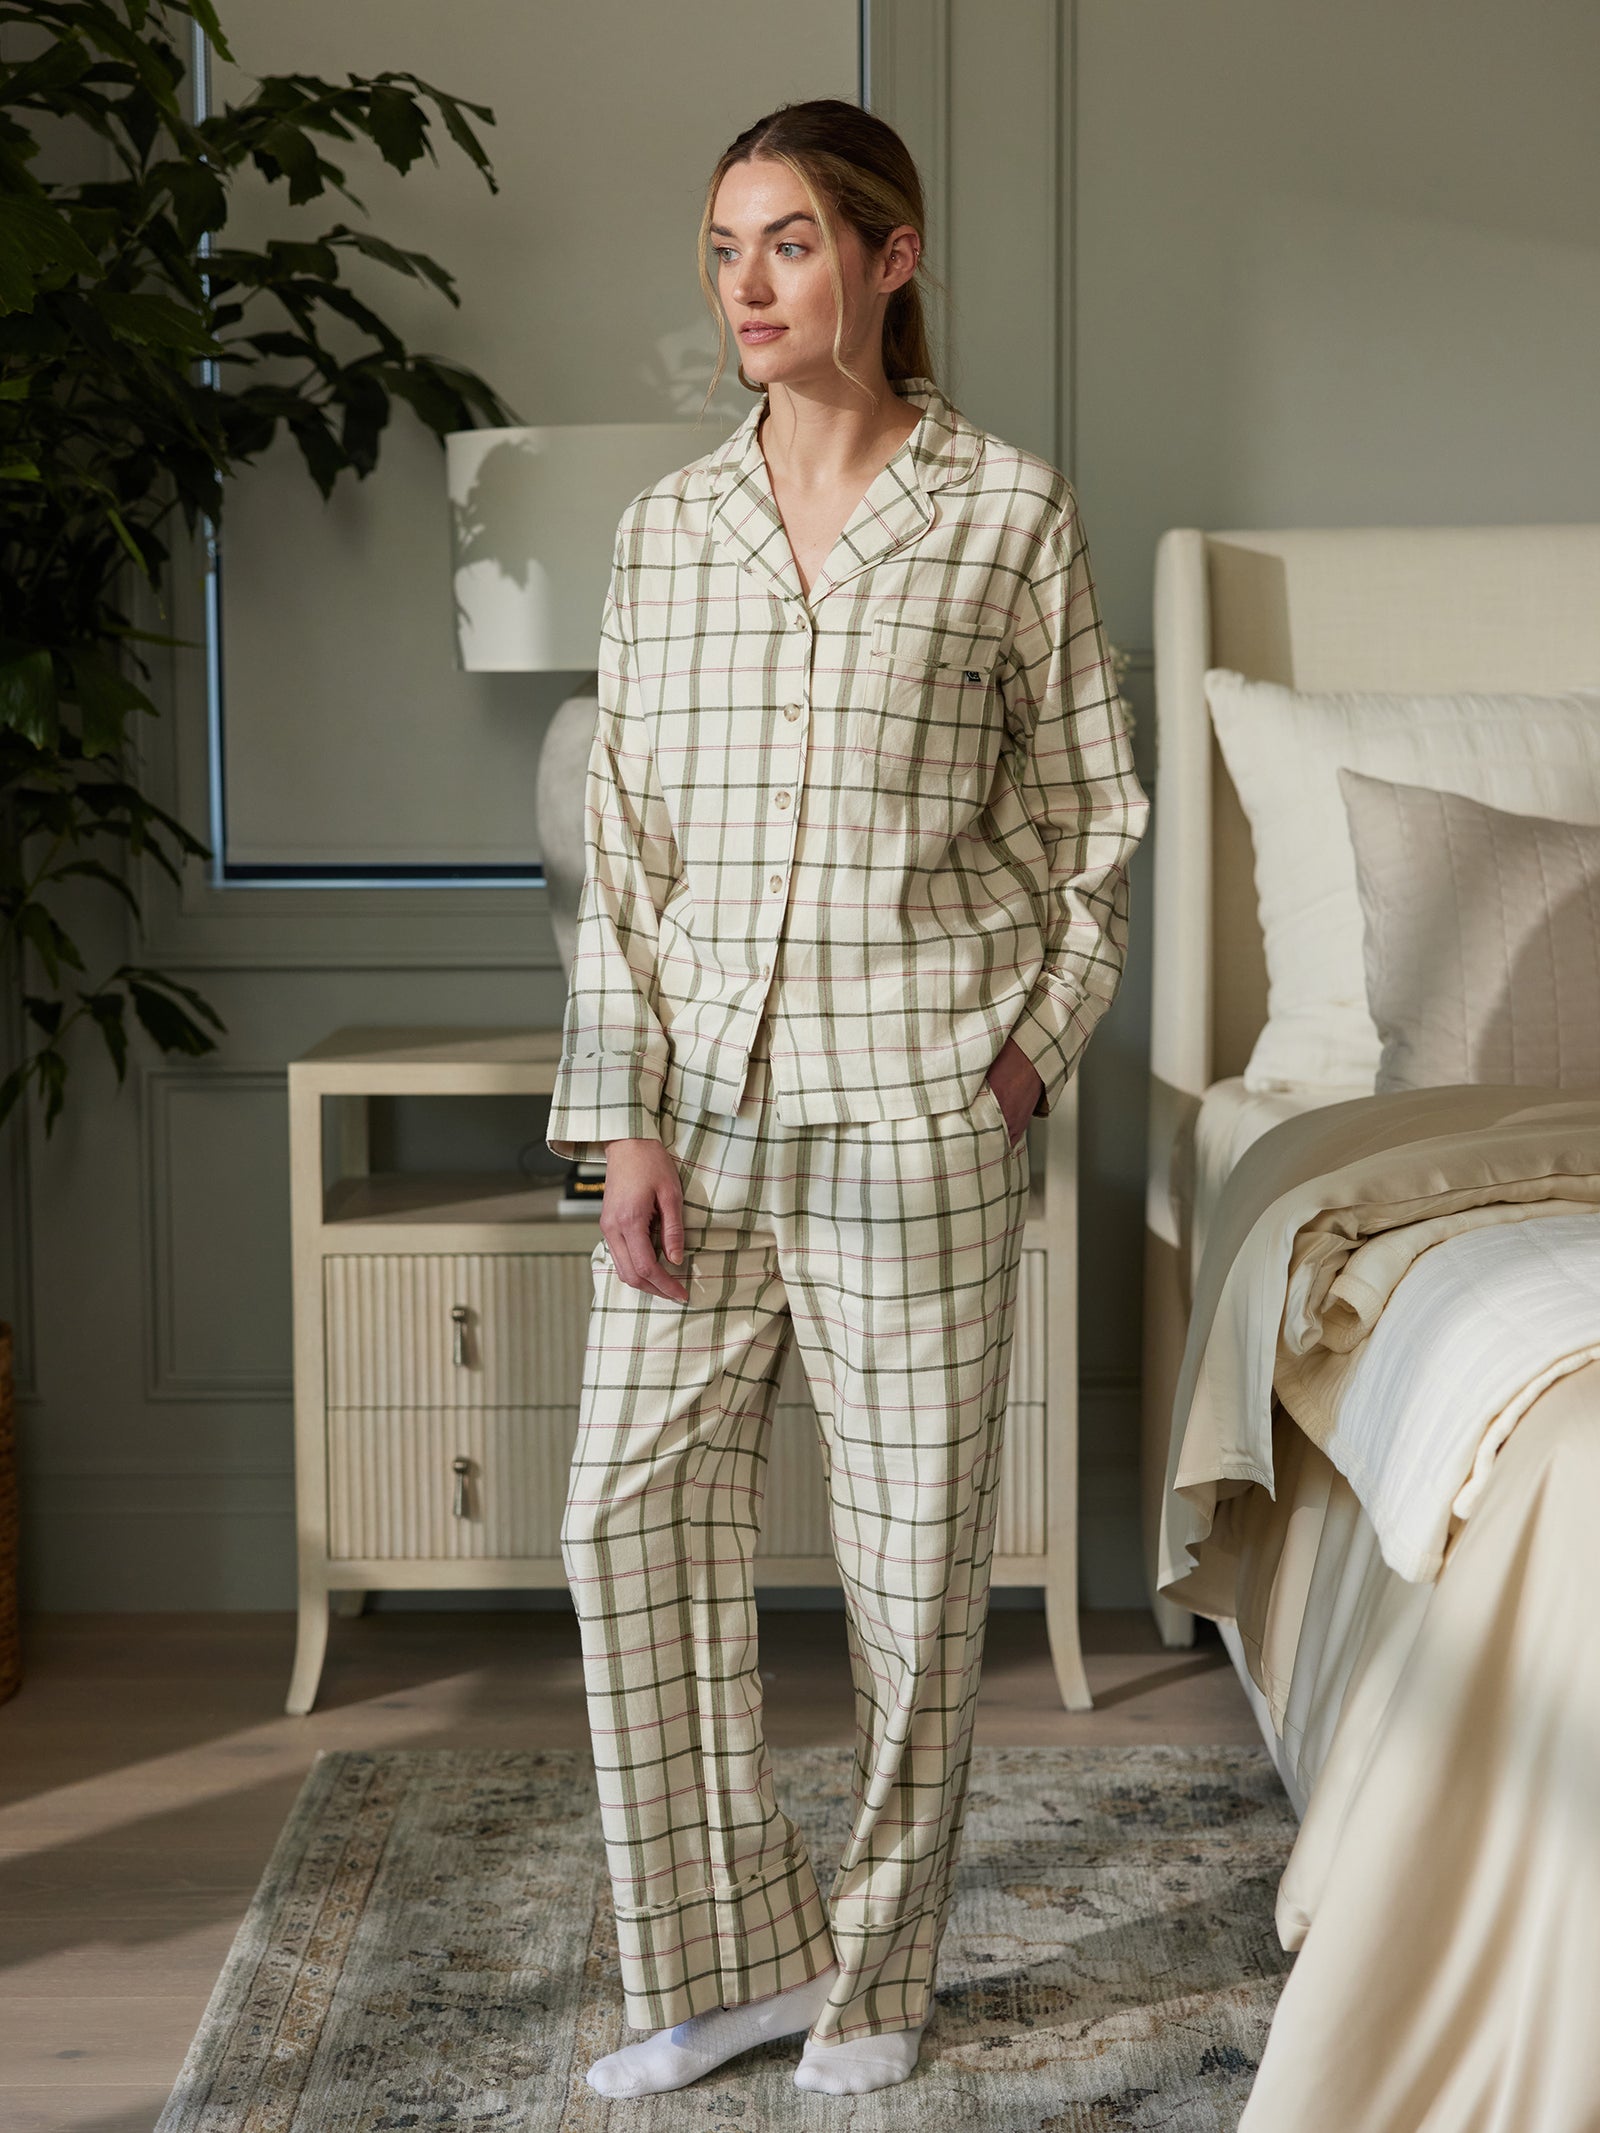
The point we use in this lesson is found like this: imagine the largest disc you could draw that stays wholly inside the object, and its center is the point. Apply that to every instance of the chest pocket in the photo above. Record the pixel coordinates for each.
(928, 719)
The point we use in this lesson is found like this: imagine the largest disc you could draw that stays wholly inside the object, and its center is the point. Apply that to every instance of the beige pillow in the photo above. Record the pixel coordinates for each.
(1539, 755)
(1482, 938)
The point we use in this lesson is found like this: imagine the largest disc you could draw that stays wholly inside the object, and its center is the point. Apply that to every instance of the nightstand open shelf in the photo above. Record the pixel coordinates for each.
(440, 1321)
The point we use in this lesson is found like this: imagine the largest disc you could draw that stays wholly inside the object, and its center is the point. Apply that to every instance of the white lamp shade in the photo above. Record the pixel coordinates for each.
(533, 516)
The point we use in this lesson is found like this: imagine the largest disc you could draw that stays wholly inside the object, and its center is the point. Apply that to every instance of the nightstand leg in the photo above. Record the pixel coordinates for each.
(1066, 1652)
(311, 1645)
(347, 1603)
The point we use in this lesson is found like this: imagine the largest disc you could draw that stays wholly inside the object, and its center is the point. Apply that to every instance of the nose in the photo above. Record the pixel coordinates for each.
(750, 284)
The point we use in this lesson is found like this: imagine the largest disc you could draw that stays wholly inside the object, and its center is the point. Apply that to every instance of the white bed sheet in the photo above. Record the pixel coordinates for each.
(1230, 1119)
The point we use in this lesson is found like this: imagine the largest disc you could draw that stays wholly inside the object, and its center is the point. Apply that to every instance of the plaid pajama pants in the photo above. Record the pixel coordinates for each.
(889, 1250)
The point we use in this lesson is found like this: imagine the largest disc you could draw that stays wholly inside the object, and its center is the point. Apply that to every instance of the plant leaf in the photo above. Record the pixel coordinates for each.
(206, 15)
(11, 1090)
(51, 1068)
(47, 1013)
(53, 944)
(397, 126)
(28, 694)
(100, 873)
(37, 245)
(156, 322)
(105, 696)
(168, 1022)
(391, 255)
(284, 151)
(196, 1000)
(109, 1012)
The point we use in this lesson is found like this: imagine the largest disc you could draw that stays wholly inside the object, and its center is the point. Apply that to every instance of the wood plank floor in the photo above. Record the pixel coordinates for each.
(146, 1767)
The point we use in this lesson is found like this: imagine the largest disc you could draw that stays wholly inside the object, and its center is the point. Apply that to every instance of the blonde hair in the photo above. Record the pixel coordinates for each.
(855, 169)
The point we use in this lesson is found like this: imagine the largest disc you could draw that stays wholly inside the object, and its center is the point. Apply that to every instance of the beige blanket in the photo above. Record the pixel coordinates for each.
(1444, 1894)
(1299, 1205)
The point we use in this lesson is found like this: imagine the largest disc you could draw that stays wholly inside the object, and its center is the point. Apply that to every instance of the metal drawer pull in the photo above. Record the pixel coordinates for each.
(462, 1467)
(459, 1315)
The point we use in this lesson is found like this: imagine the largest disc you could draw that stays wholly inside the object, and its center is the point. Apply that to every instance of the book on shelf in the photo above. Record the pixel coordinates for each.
(584, 1188)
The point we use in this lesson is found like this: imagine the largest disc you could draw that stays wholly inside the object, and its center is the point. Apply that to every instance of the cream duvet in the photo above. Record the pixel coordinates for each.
(1317, 1231)
(1415, 1274)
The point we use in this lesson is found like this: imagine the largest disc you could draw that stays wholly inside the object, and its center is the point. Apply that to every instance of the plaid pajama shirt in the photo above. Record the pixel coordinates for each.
(839, 847)
(895, 815)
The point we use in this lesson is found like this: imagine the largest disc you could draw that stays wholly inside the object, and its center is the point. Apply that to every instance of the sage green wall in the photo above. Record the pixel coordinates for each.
(1229, 262)
(144, 1252)
(1332, 266)
(1247, 263)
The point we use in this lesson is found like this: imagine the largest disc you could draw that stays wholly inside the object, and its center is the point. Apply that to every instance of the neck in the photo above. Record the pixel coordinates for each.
(820, 436)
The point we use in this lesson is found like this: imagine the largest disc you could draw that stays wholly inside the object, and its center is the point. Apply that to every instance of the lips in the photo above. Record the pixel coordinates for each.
(761, 333)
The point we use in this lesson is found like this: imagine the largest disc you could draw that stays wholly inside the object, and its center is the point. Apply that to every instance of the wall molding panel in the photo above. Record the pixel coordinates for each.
(191, 1207)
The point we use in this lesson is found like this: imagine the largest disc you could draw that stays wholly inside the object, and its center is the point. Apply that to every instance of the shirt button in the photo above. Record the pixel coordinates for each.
(781, 799)
(791, 710)
(766, 970)
(776, 882)
(802, 620)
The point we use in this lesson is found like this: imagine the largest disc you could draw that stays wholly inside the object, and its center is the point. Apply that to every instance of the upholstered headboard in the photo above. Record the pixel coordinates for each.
(1364, 607)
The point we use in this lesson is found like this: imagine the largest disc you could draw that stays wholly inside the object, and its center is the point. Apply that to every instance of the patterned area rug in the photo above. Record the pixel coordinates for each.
(431, 1947)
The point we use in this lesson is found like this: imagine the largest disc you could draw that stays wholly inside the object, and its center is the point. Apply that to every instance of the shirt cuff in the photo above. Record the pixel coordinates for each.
(599, 1097)
(1052, 1030)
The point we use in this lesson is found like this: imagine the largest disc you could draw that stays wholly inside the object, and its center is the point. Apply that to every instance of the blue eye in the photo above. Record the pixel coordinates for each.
(789, 244)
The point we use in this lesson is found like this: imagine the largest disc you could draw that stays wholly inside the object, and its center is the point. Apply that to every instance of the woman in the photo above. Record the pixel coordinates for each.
(859, 812)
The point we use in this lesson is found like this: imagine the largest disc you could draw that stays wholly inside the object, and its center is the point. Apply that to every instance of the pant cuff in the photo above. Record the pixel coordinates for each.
(723, 1947)
(886, 1975)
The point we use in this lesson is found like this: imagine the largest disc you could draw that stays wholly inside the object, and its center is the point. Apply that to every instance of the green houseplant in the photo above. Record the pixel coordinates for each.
(142, 361)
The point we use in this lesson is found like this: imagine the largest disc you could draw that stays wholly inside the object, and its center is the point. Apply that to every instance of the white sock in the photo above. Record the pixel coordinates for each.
(859, 2063)
(674, 2057)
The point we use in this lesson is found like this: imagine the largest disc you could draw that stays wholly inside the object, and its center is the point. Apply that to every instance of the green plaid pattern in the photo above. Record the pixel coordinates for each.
(889, 1249)
(897, 815)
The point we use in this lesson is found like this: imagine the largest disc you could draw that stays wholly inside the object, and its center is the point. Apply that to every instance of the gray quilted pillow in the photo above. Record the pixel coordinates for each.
(1482, 938)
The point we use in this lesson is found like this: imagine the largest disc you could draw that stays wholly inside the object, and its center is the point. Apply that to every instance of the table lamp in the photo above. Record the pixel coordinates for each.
(533, 516)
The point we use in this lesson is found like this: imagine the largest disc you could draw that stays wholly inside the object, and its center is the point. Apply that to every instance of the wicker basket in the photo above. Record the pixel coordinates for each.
(10, 1625)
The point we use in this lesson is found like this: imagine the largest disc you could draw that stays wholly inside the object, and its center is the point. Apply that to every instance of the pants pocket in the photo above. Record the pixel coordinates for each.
(987, 1107)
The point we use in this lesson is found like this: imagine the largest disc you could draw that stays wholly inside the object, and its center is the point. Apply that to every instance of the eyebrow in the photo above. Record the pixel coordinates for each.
(770, 228)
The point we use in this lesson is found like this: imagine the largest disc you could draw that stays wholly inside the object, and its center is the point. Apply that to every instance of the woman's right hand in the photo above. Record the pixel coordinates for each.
(642, 1184)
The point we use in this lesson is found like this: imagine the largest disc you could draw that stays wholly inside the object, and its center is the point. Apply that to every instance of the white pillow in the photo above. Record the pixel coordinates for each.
(1483, 938)
(1284, 748)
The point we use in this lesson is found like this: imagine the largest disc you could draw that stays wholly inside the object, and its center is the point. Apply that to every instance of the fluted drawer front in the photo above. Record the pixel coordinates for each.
(400, 1410)
(1019, 1523)
(794, 1518)
(392, 1485)
(390, 1336)
(391, 1339)
(1028, 1331)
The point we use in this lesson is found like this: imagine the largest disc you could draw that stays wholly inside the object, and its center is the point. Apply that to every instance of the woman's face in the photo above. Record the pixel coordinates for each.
(772, 277)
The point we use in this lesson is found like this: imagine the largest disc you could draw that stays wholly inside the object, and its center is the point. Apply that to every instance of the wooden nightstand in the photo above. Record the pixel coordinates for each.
(439, 1328)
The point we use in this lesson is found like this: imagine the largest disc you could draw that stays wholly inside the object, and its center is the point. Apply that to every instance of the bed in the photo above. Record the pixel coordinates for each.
(1438, 1732)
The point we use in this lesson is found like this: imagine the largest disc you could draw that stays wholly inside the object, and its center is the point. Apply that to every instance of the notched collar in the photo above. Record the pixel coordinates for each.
(943, 448)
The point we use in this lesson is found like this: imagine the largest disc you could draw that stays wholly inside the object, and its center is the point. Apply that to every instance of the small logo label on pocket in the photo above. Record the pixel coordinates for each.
(970, 674)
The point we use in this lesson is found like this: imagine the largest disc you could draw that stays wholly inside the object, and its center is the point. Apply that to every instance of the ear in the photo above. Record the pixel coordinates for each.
(902, 249)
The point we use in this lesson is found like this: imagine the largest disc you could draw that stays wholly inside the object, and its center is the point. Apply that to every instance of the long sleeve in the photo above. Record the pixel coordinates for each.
(1078, 785)
(613, 1048)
